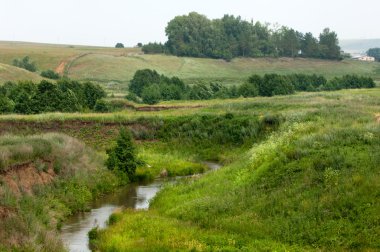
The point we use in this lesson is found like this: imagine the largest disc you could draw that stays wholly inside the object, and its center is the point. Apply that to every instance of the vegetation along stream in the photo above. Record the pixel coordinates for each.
(136, 196)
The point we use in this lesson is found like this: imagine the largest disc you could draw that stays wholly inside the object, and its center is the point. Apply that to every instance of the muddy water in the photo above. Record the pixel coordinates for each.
(75, 230)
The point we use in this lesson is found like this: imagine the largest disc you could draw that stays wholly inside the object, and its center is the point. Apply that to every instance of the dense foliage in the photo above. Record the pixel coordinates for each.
(26, 97)
(50, 74)
(122, 157)
(195, 35)
(154, 48)
(119, 45)
(25, 63)
(153, 88)
(38, 210)
(374, 52)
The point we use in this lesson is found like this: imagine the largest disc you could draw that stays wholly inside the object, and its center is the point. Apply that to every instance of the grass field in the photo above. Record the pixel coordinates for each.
(11, 73)
(310, 185)
(114, 68)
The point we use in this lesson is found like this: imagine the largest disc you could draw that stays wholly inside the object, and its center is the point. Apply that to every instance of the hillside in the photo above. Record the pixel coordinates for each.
(43, 179)
(312, 185)
(115, 67)
(11, 73)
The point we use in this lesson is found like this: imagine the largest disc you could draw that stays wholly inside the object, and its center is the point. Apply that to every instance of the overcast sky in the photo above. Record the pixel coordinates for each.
(105, 22)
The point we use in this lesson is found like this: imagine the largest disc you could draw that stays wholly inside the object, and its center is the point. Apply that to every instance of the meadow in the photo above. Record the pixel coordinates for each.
(114, 68)
(300, 172)
(311, 184)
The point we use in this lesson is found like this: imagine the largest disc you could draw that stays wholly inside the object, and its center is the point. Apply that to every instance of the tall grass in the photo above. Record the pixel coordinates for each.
(311, 185)
(31, 219)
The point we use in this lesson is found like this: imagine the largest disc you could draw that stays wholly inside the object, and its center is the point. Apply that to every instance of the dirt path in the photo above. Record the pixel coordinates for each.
(377, 116)
(64, 66)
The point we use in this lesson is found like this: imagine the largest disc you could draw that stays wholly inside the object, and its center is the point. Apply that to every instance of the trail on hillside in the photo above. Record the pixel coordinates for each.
(64, 66)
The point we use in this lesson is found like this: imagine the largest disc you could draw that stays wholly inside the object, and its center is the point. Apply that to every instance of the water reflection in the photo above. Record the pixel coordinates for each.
(74, 232)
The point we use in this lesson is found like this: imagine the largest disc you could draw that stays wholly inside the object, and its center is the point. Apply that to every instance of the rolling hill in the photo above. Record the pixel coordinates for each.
(115, 67)
(11, 73)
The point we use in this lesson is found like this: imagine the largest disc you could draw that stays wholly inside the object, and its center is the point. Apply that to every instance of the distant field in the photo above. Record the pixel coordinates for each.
(115, 67)
(11, 73)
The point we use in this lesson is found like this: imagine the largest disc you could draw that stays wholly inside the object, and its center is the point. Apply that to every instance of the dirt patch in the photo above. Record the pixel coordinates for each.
(6, 212)
(377, 117)
(60, 69)
(23, 178)
(64, 65)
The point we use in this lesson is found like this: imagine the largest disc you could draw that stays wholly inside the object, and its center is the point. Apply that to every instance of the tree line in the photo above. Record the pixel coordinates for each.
(195, 35)
(27, 97)
(149, 87)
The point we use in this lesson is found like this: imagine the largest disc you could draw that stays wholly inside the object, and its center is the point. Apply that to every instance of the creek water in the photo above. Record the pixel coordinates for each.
(136, 196)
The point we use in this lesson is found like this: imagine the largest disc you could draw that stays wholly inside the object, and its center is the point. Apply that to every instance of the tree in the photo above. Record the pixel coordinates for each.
(122, 157)
(6, 105)
(153, 48)
(374, 52)
(119, 45)
(309, 46)
(25, 63)
(143, 78)
(50, 74)
(92, 93)
(329, 45)
(101, 106)
(151, 94)
(139, 44)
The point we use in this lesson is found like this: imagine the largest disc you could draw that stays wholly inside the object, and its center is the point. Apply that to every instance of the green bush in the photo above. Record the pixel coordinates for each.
(122, 157)
(50, 74)
(65, 96)
(151, 94)
(101, 106)
(25, 63)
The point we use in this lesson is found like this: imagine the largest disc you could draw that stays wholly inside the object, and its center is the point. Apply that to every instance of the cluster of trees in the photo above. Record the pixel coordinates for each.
(195, 35)
(152, 87)
(374, 52)
(25, 63)
(27, 97)
(154, 48)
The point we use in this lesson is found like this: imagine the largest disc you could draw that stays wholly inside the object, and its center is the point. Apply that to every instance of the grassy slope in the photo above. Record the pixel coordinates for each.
(312, 185)
(109, 64)
(106, 68)
(31, 219)
(11, 73)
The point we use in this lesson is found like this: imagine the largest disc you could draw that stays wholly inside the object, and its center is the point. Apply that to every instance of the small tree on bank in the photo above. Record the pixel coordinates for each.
(122, 157)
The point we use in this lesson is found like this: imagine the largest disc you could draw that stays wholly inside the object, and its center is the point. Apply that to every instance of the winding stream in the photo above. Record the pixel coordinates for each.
(75, 229)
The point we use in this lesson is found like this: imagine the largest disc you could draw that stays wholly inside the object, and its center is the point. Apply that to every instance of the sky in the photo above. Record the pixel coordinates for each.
(106, 22)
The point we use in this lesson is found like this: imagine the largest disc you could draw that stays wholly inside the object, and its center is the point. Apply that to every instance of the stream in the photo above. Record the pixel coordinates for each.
(136, 196)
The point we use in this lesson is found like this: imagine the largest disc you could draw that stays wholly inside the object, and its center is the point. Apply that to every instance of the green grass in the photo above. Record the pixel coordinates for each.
(32, 214)
(114, 68)
(11, 73)
(312, 184)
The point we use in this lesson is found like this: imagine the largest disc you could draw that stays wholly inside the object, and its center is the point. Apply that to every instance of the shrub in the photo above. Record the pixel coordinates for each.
(6, 105)
(119, 45)
(122, 157)
(25, 63)
(151, 94)
(50, 74)
(101, 106)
